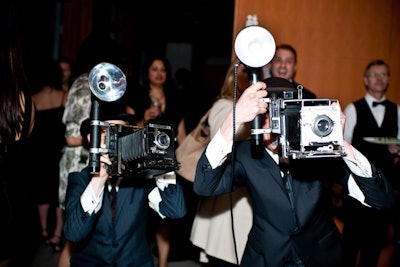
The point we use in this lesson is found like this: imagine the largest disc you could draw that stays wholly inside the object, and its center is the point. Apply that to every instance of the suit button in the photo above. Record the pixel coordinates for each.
(295, 230)
(115, 245)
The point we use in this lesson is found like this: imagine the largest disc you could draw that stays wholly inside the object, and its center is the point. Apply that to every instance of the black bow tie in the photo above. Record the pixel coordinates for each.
(375, 103)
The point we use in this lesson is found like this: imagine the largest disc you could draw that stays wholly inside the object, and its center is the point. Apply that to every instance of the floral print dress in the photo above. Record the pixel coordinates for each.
(77, 109)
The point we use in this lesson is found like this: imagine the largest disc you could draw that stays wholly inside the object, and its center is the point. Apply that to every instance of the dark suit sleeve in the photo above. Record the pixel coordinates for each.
(173, 202)
(78, 223)
(210, 182)
(377, 190)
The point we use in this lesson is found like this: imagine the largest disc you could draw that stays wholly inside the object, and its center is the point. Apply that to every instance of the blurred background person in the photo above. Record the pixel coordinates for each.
(67, 67)
(17, 241)
(46, 144)
(365, 231)
(212, 226)
(284, 65)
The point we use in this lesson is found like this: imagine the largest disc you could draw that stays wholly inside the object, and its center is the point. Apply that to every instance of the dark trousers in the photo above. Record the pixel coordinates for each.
(365, 231)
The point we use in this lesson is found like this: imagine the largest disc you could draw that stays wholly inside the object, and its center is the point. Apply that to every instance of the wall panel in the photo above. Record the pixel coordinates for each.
(335, 40)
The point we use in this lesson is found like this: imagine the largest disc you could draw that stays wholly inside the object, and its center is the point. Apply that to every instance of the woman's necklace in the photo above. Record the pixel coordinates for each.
(158, 99)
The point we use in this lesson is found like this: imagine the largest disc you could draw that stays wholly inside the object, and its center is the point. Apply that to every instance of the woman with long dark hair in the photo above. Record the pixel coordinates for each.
(16, 122)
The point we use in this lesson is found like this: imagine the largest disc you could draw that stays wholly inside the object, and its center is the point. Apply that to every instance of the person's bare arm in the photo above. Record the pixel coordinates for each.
(74, 141)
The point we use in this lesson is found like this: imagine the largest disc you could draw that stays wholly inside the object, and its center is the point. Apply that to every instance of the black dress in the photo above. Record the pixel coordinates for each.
(46, 143)
(138, 97)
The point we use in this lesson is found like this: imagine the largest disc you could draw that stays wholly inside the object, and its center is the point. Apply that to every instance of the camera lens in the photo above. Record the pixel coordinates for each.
(322, 125)
(162, 140)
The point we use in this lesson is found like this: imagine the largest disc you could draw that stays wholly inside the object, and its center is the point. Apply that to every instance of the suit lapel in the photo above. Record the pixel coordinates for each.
(296, 185)
(275, 171)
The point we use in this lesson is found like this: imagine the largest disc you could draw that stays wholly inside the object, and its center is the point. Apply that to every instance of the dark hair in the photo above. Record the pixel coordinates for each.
(150, 61)
(377, 62)
(13, 86)
(290, 48)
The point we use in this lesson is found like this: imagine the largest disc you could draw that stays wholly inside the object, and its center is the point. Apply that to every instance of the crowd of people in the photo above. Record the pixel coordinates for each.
(239, 211)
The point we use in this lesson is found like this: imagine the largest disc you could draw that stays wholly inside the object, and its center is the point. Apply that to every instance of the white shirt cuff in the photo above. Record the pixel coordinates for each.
(360, 166)
(217, 150)
(154, 201)
(166, 179)
(355, 191)
(90, 202)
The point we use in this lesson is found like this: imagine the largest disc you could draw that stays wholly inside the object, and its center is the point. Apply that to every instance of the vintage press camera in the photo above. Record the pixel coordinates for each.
(307, 128)
(141, 152)
(134, 151)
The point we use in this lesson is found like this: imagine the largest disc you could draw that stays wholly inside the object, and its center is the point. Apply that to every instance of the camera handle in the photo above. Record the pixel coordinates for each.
(94, 153)
(257, 138)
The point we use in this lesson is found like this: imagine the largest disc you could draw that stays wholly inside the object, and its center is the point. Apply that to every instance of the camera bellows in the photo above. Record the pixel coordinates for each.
(141, 152)
(136, 143)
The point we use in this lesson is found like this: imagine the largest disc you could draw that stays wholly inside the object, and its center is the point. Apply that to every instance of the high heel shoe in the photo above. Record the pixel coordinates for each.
(55, 245)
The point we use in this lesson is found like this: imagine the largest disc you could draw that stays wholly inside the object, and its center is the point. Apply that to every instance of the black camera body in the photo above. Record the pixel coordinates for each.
(307, 128)
(143, 152)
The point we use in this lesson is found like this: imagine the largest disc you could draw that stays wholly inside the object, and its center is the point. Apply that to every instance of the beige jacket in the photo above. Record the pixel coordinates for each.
(212, 225)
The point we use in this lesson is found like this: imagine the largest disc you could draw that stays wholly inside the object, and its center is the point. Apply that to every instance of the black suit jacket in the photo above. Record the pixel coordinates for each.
(276, 231)
(100, 242)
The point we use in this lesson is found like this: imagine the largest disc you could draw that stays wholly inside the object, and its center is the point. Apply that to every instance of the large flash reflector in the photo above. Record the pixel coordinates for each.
(107, 82)
(255, 46)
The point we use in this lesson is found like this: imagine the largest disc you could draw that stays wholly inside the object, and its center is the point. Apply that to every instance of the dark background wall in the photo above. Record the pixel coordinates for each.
(334, 40)
(196, 34)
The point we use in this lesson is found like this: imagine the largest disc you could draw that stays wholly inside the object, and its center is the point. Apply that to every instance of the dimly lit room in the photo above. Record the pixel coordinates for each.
(323, 62)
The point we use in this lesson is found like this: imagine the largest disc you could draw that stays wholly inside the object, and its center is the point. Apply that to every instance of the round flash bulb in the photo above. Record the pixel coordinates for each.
(107, 82)
(255, 46)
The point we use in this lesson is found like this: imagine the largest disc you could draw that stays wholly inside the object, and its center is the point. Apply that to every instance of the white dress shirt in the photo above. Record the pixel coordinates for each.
(92, 203)
(378, 112)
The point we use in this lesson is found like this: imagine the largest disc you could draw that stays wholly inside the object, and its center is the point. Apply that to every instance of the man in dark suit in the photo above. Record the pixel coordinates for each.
(107, 216)
(284, 65)
(292, 222)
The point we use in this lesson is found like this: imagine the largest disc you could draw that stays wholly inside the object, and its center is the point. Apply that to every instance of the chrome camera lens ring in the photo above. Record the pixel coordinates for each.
(162, 140)
(322, 125)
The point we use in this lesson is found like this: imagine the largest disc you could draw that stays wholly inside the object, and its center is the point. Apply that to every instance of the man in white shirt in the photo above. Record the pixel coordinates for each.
(371, 116)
